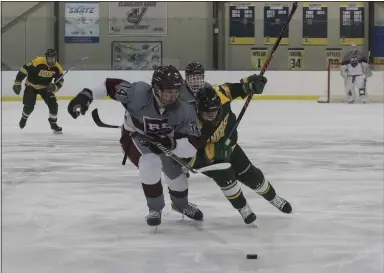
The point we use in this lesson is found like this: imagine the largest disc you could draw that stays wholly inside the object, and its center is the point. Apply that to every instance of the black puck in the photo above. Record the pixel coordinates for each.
(251, 256)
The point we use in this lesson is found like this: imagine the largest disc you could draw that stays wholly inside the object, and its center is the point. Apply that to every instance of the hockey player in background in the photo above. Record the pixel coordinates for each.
(355, 72)
(39, 73)
(155, 112)
(216, 120)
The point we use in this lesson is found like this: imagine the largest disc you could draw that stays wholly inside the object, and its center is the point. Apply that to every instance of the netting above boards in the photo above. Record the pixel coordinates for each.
(136, 55)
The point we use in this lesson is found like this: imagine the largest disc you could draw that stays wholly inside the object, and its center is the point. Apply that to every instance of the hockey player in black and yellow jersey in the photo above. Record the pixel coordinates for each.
(39, 73)
(216, 121)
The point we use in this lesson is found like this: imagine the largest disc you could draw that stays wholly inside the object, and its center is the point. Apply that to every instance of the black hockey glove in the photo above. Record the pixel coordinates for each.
(167, 142)
(254, 84)
(52, 88)
(17, 88)
(80, 104)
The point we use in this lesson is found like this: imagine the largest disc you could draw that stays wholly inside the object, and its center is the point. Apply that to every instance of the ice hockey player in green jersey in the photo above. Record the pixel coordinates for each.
(216, 120)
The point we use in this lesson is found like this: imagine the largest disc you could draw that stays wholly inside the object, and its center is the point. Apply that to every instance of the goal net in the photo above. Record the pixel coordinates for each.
(335, 92)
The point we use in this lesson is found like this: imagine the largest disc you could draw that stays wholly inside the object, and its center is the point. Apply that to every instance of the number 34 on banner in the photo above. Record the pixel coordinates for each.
(295, 58)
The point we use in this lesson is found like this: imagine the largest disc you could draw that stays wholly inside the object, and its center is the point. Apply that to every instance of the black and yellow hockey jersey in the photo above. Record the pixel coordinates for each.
(218, 131)
(39, 74)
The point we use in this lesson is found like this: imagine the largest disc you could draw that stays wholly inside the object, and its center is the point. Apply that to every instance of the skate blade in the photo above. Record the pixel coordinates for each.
(57, 133)
(154, 229)
(253, 224)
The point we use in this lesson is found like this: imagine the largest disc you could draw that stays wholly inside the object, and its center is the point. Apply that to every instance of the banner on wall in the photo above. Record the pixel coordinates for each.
(138, 18)
(352, 23)
(258, 57)
(136, 55)
(81, 22)
(241, 24)
(315, 24)
(333, 56)
(296, 58)
(275, 17)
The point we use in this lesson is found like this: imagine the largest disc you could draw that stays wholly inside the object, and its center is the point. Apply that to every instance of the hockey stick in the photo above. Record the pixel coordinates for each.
(97, 120)
(214, 167)
(263, 69)
(62, 76)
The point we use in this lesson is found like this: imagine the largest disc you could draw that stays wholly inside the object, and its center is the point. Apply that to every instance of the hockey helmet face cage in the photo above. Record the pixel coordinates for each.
(50, 55)
(194, 75)
(209, 104)
(167, 82)
(354, 60)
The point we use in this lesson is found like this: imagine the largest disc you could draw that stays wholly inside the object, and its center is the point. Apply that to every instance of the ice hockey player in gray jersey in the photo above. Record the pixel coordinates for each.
(194, 75)
(152, 111)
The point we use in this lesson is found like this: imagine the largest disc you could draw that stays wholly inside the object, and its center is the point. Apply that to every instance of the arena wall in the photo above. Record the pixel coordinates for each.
(282, 85)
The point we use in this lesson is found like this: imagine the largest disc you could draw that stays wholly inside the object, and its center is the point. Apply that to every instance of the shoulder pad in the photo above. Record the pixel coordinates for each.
(59, 67)
(38, 60)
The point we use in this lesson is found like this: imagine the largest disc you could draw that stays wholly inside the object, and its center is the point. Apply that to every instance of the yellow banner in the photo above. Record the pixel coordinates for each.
(259, 55)
(333, 56)
(296, 58)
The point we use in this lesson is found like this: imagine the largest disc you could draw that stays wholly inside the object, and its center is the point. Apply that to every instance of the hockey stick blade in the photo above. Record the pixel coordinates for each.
(97, 120)
(214, 167)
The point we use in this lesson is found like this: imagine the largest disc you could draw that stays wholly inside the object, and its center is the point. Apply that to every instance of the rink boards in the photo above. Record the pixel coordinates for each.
(282, 85)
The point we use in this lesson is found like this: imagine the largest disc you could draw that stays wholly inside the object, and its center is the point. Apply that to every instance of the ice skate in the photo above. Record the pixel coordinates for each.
(55, 128)
(153, 218)
(191, 211)
(282, 204)
(247, 214)
(22, 122)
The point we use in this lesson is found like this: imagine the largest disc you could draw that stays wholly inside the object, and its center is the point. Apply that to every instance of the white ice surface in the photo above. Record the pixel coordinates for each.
(68, 205)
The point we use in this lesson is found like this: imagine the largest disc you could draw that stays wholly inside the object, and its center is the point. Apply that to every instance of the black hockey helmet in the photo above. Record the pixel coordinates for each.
(50, 55)
(194, 76)
(209, 103)
(166, 83)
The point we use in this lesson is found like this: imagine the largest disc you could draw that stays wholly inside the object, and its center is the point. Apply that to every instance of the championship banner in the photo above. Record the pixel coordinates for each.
(333, 56)
(352, 23)
(241, 24)
(259, 55)
(296, 58)
(275, 17)
(137, 18)
(315, 24)
(81, 22)
(136, 55)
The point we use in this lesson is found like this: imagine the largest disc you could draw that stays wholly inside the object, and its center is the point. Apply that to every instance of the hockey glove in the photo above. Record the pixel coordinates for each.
(52, 88)
(80, 104)
(166, 141)
(17, 88)
(255, 84)
(218, 152)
